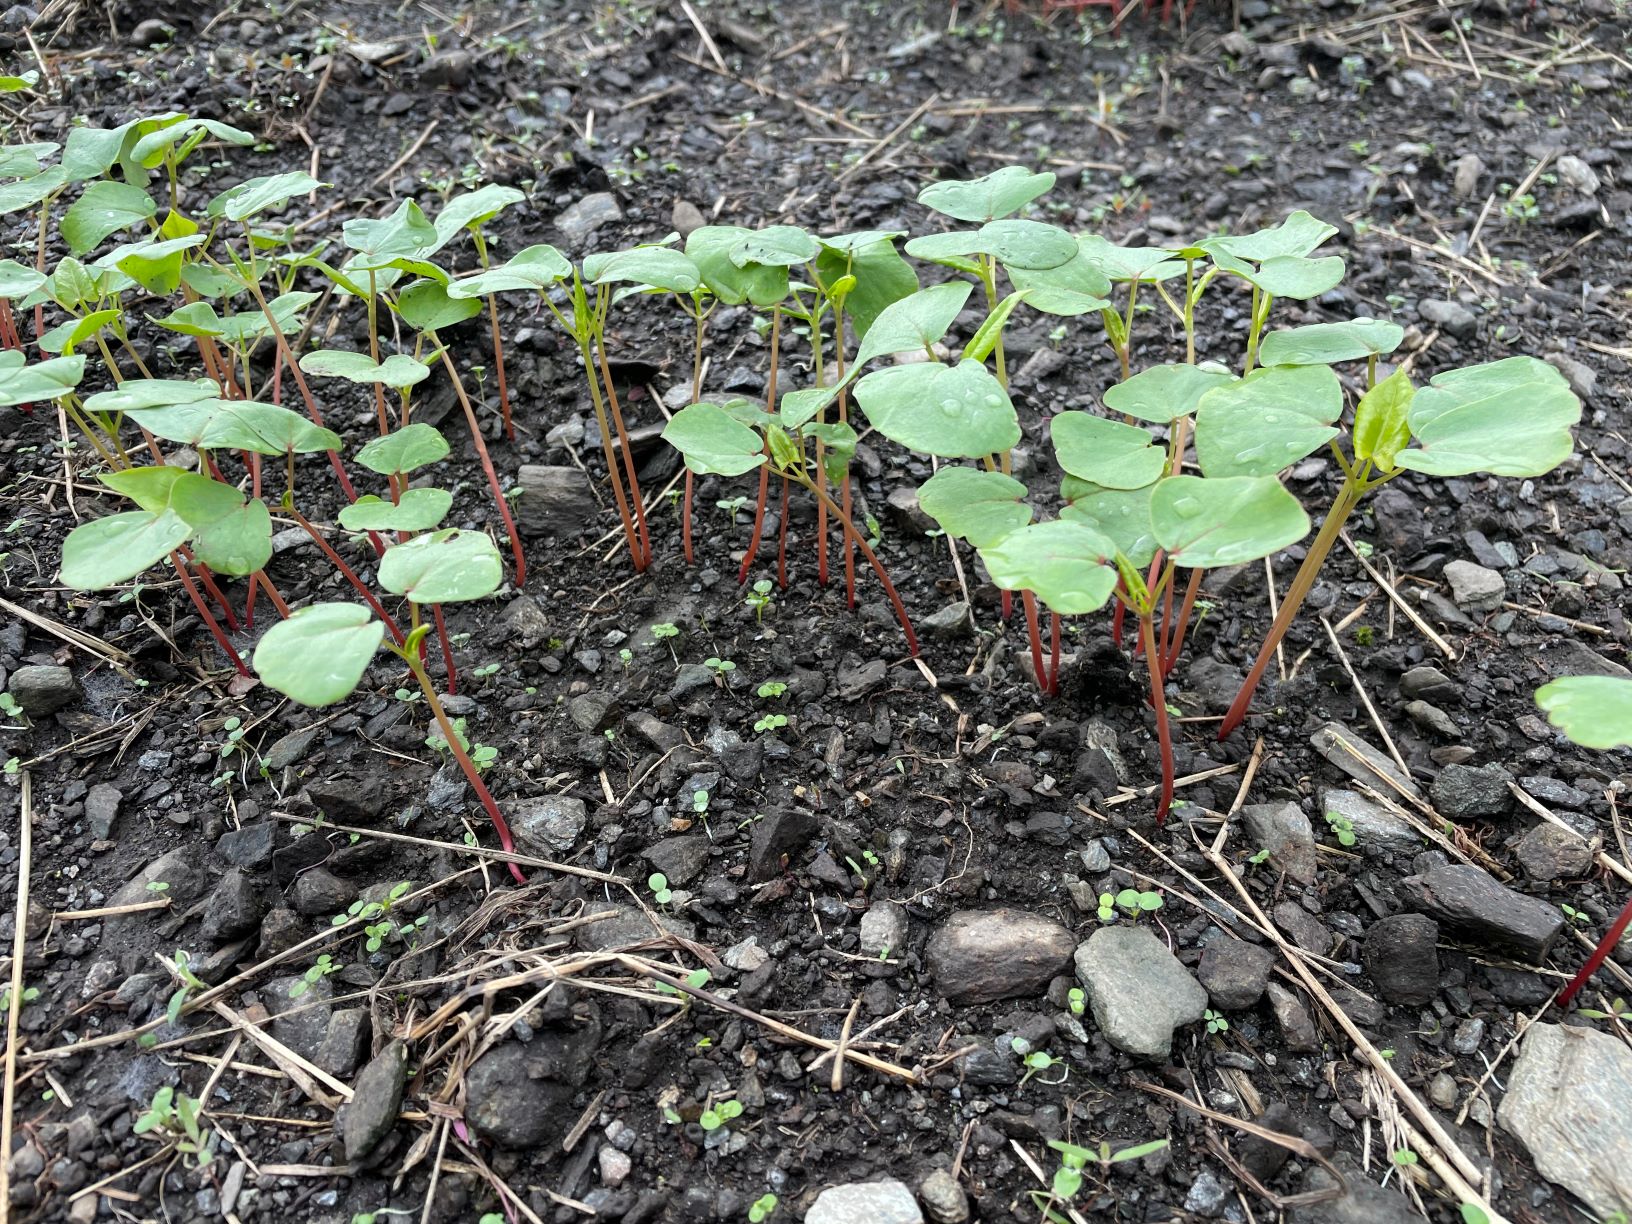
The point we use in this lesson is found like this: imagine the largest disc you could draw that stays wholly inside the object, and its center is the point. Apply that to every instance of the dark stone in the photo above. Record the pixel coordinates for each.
(554, 501)
(249, 846)
(376, 1101)
(1473, 906)
(1549, 852)
(680, 859)
(1234, 973)
(1430, 684)
(235, 908)
(518, 1094)
(1402, 958)
(102, 809)
(42, 690)
(1463, 792)
(776, 839)
(319, 892)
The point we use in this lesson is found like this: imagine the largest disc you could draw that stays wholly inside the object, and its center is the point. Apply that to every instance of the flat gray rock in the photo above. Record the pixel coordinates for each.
(882, 1202)
(982, 955)
(1376, 829)
(1472, 905)
(1566, 1102)
(1350, 753)
(546, 825)
(1138, 990)
(1283, 830)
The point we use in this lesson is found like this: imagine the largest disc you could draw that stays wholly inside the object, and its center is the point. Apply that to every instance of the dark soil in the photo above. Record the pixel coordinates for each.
(961, 792)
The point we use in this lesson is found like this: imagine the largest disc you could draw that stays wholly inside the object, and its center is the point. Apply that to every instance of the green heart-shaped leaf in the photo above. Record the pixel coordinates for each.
(656, 266)
(318, 656)
(17, 280)
(405, 232)
(1267, 421)
(1106, 453)
(397, 370)
(710, 248)
(67, 336)
(150, 150)
(882, 276)
(1164, 393)
(265, 429)
(24, 160)
(418, 510)
(775, 246)
(1068, 565)
(135, 394)
(155, 266)
(200, 500)
(797, 407)
(1121, 515)
(1292, 276)
(1329, 343)
(110, 550)
(257, 195)
(1295, 237)
(406, 450)
(105, 208)
(1204, 523)
(21, 383)
(238, 542)
(25, 193)
(1012, 242)
(448, 566)
(955, 412)
(1510, 418)
(710, 440)
(981, 507)
(474, 208)
(426, 306)
(1121, 263)
(1382, 420)
(1076, 287)
(535, 267)
(987, 198)
(1593, 711)
(149, 487)
(915, 322)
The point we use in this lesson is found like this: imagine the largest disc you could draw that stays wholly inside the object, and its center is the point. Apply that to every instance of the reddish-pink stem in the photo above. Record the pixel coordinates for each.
(1606, 945)
(487, 463)
(1054, 652)
(1158, 699)
(759, 521)
(447, 649)
(347, 573)
(498, 365)
(1029, 602)
(204, 612)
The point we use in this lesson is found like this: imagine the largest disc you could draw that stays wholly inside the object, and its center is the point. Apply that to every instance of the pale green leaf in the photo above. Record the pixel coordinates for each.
(955, 412)
(1382, 423)
(114, 549)
(1329, 343)
(448, 566)
(1510, 418)
(1068, 565)
(397, 370)
(418, 510)
(318, 656)
(994, 195)
(21, 383)
(1164, 393)
(105, 208)
(980, 507)
(535, 267)
(1122, 515)
(1204, 523)
(1106, 453)
(407, 449)
(711, 440)
(257, 195)
(914, 322)
(1592, 711)
(473, 209)
(1267, 421)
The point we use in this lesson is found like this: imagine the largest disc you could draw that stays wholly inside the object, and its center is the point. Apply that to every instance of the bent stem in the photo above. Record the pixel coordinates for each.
(867, 552)
(346, 572)
(604, 423)
(1606, 945)
(765, 468)
(204, 613)
(480, 443)
(1158, 699)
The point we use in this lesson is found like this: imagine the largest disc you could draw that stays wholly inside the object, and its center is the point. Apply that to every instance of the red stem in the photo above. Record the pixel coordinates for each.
(498, 364)
(1176, 644)
(487, 464)
(1150, 584)
(1118, 615)
(1008, 604)
(782, 541)
(447, 649)
(1606, 945)
(628, 455)
(1158, 699)
(204, 612)
(1054, 653)
(765, 469)
(1029, 601)
(208, 580)
(347, 573)
(822, 498)
(685, 518)
(271, 592)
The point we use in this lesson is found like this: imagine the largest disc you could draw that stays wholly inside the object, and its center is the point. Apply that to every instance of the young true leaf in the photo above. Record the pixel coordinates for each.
(448, 566)
(839, 440)
(775, 246)
(417, 510)
(1012, 242)
(915, 322)
(1106, 453)
(535, 267)
(155, 266)
(69, 335)
(318, 656)
(882, 276)
(990, 332)
(1593, 711)
(658, 267)
(397, 370)
(257, 195)
(1266, 422)
(105, 208)
(1329, 343)
(710, 440)
(981, 507)
(408, 449)
(114, 549)
(1510, 417)
(21, 383)
(1067, 564)
(1122, 515)
(246, 327)
(427, 306)
(152, 148)
(1164, 393)
(1382, 427)
(135, 394)
(1075, 287)
(1204, 523)
(955, 412)
(710, 248)
(474, 208)
(995, 195)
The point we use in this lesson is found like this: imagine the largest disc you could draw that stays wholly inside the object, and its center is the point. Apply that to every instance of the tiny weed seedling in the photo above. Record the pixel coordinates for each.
(1037, 1062)
(719, 666)
(761, 1208)
(1130, 902)
(713, 1119)
(1575, 915)
(658, 883)
(174, 1116)
(759, 599)
(1342, 829)
(1076, 1000)
(324, 966)
(9, 706)
(772, 689)
(30, 994)
(1216, 1023)
(1074, 1161)
(1618, 1010)
(770, 722)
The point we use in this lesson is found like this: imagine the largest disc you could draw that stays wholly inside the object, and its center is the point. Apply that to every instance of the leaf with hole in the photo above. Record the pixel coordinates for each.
(913, 323)
(1166, 392)
(1205, 523)
(318, 656)
(1106, 453)
(448, 566)
(398, 370)
(954, 412)
(405, 450)
(711, 440)
(989, 197)
(1068, 565)
(980, 507)
(1329, 343)
(417, 510)
(1510, 418)
(1592, 711)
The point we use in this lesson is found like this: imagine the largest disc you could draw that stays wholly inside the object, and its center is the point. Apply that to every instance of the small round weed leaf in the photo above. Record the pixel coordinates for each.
(474, 208)
(21, 383)
(709, 248)
(1077, 286)
(535, 267)
(1295, 237)
(18, 280)
(397, 370)
(1329, 343)
(881, 275)
(1121, 263)
(656, 266)
(775, 246)
(1164, 393)
(404, 232)
(114, 549)
(1123, 515)
(710, 440)
(1066, 564)
(980, 507)
(426, 306)
(448, 566)
(256, 195)
(1510, 418)
(238, 542)
(105, 208)
(406, 450)
(266, 429)
(955, 412)
(1593, 711)
(995, 195)
(1106, 453)
(1266, 422)
(1292, 276)
(657, 881)
(419, 510)
(1204, 523)
(318, 655)
(914, 322)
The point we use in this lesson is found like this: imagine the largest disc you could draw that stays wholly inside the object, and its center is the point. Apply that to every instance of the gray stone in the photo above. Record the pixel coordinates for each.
(903, 508)
(776, 839)
(1472, 906)
(593, 711)
(318, 892)
(627, 927)
(1376, 829)
(1577, 175)
(43, 689)
(615, 1166)
(1207, 1196)
(1551, 852)
(1430, 684)
(686, 217)
(656, 732)
(290, 748)
(1401, 954)
(861, 678)
(524, 623)
(345, 1042)
(882, 1202)
(1433, 719)
(1583, 379)
(546, 824)
(518, 1094)
(1450, 317)
(1466, 171)
(181, 870)
(883, 929)
(956, 620)
(554, 501)
(1297, 1029)
(376, 1100)
(1555, 793)
(1464, 792)
(1566, 1102)
(150, 33)
(978, 956)
(1283, 830)
(1355, 757)
(1234, 973)
(1365, 1202)
(746, 955)
(299, 1021)
(249, 846)
(943, 1198)
(1138, 990)
(1567, 657)
(235, 908)
(102, 809)
(1475, 588)
(579, 221)
(680, 859)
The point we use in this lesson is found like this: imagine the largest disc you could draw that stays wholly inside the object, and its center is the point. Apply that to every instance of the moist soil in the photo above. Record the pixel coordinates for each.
(942, 786)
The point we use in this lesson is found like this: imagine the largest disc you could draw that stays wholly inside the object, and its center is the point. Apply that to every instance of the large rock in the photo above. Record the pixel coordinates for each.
(1283, 830)
(1473, 906)
(881, 1202)
(1235, 973)
(178, 875)
(43, 690)
(1567, 1102)
(1465, 792)
(518, 1093)
(1138, 990)
(554, 501)
(546, 825)
(1402, 957)
(981, 955)
(376, 1101)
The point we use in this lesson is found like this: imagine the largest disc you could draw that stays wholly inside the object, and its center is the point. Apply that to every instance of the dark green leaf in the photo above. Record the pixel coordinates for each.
(709, 248)
(775, 246)
(426, 306)
(882, 276)
(408, 449)
(104, 208)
